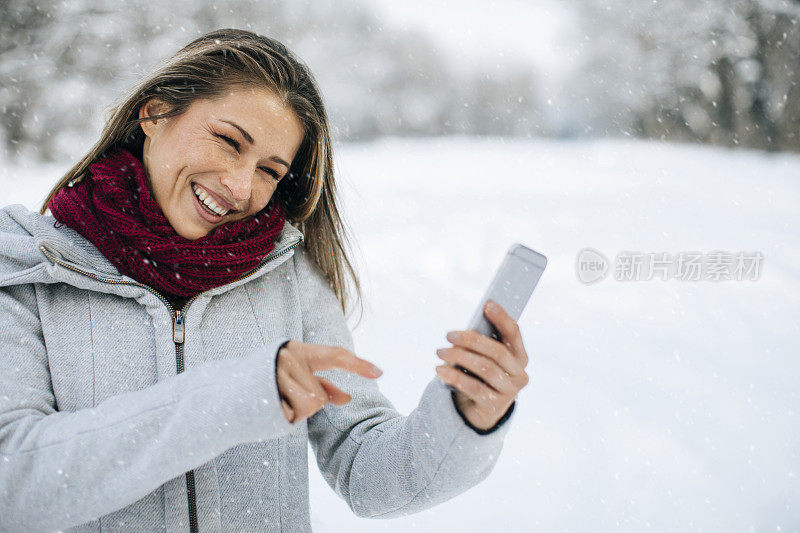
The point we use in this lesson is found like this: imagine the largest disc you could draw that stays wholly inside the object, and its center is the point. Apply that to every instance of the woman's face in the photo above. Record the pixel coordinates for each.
(190, 163)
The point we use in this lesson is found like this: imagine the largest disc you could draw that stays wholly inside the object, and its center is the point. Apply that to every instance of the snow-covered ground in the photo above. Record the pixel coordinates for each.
(661, 405)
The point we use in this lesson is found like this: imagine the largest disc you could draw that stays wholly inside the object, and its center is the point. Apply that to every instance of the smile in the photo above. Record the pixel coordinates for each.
(207, 204)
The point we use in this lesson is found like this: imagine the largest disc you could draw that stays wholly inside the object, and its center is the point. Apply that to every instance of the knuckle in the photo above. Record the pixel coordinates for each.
(282, 374)
(499, 375)
(472, 387)
(289, 361)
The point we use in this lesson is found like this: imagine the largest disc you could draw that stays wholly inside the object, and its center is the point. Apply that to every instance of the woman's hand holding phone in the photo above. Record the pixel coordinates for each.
(302, 393)
(501, 366)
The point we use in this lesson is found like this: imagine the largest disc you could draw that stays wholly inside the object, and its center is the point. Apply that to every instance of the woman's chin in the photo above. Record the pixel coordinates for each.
(192, 235)
(192, 230)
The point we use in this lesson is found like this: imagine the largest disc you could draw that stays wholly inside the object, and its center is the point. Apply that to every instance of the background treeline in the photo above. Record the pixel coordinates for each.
(63, 63)
(725, 72)
(717, 71)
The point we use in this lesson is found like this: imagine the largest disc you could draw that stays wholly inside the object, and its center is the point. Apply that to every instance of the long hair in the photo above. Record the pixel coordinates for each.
(207, 68)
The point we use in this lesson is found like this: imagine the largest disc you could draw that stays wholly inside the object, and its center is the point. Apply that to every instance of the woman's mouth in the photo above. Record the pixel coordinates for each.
(206, 207)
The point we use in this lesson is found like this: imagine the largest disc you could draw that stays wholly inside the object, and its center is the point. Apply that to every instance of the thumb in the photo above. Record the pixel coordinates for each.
(335, 394)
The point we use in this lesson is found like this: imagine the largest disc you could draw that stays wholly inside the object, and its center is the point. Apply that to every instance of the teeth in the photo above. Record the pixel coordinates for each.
(207, 201)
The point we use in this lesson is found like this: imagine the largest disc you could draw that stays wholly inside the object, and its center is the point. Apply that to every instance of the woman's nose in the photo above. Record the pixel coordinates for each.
(239, 181)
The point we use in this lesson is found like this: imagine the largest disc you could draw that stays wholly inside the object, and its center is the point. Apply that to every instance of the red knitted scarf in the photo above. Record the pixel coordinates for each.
(113, 208)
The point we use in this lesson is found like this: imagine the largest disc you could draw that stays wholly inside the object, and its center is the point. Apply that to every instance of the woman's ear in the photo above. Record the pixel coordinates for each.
(150, 108)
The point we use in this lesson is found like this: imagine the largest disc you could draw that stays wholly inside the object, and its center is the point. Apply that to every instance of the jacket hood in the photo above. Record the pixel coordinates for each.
(33, 250)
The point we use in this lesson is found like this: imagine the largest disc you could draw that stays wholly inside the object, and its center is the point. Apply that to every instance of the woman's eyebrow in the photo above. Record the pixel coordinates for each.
(249, 139)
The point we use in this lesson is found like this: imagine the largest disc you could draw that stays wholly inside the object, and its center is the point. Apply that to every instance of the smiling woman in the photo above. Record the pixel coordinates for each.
(174, 335)
(206, 168)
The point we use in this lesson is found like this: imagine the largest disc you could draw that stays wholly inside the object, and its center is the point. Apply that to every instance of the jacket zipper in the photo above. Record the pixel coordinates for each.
(178, 337)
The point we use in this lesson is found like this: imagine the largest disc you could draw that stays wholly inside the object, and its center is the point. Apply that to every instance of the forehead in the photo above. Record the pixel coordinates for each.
(243, 98)
(259, 111)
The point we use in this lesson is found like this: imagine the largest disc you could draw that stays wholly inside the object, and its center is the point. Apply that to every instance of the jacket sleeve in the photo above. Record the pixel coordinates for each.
(384, 464)
(59, 469)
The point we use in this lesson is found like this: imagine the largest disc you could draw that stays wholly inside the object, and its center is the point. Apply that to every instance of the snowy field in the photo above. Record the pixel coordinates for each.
(653, 405)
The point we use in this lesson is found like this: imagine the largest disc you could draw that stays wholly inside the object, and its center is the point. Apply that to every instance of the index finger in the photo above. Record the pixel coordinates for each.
(322, 357)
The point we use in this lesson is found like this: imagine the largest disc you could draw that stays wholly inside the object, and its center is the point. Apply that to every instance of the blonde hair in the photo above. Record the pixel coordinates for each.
(207, 68)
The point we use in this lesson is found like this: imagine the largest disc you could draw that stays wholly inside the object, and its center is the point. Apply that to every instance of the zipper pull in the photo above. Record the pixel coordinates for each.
(177, 327)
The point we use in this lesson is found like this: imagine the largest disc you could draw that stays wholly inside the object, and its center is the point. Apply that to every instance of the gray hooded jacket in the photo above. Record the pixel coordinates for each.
(120, 413)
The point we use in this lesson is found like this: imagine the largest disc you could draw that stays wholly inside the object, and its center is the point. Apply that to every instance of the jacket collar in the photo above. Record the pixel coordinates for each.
(31, 244)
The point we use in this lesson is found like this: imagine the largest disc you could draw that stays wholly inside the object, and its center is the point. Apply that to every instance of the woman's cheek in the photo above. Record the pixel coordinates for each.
(262, 195)
(208, 155)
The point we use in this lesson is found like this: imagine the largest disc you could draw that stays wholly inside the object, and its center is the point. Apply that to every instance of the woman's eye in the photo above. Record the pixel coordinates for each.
(271, 172)
(236, 146)
(228, 140)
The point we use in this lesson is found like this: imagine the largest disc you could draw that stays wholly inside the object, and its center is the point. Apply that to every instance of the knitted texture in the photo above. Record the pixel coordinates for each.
(113, 209)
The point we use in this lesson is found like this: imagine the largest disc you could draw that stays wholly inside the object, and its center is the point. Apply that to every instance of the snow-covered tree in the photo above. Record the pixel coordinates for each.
(714, 71)
(63, 63)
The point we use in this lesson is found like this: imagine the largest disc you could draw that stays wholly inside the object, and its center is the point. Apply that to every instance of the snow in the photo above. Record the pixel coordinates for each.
(666, 405)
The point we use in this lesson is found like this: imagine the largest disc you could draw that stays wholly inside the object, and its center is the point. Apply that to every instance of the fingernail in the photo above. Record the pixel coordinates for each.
(377, 372)
(452, 336)
(439, 351)
(491, 306)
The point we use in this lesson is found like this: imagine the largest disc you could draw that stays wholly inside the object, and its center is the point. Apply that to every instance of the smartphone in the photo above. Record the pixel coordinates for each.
(511, 287)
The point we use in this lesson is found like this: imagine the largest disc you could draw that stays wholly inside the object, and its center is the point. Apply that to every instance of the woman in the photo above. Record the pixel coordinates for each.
(171, 342)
